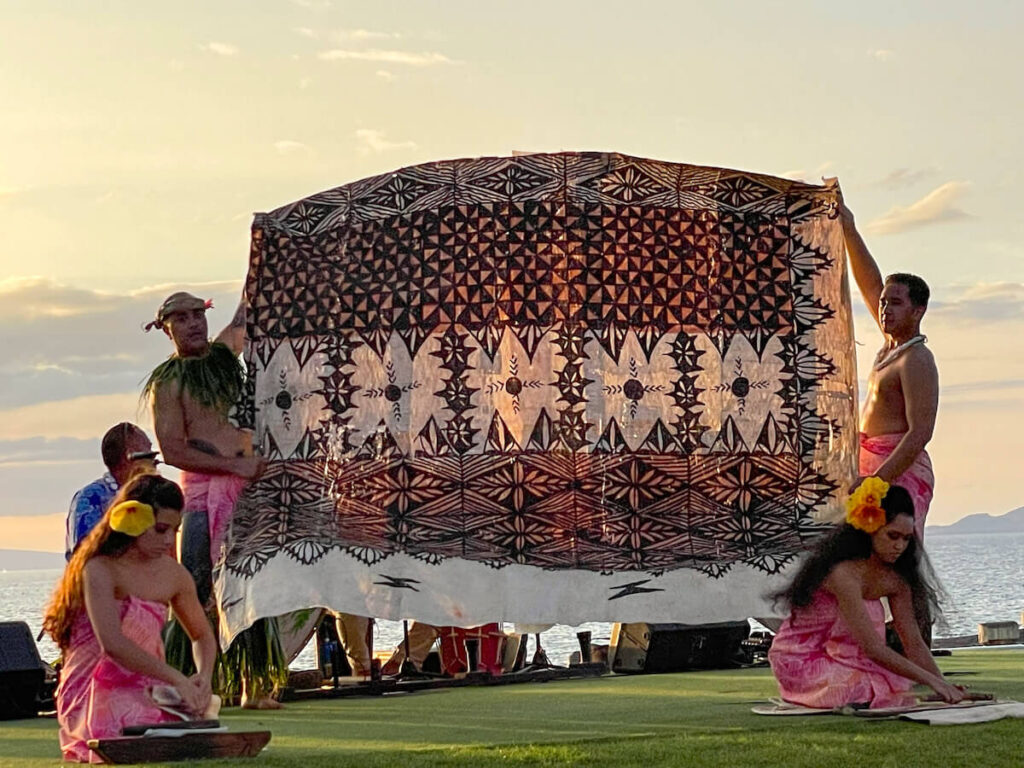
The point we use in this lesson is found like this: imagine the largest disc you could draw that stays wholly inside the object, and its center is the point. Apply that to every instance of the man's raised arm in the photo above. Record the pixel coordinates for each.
(862, 264)
(234, 334)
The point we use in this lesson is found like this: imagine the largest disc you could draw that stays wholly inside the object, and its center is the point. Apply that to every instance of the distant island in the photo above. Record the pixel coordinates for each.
(26, 560)
(1011, 522)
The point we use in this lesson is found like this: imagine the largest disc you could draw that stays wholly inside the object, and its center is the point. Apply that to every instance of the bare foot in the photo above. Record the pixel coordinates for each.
(266, 702)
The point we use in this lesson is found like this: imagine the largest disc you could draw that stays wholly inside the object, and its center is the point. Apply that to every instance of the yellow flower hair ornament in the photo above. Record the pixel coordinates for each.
(864, 507)
(132, 518)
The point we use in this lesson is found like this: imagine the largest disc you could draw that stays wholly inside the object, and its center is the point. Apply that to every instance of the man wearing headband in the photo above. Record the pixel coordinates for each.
(126, 451)
(191, 394)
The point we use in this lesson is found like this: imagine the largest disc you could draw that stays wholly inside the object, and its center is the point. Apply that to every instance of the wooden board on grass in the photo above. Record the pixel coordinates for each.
(189, 746)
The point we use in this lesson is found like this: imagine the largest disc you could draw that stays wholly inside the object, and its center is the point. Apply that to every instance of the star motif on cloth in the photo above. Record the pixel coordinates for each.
(401, 488)
(290, 398)
(511, 180)
(307, 215)
(572, 429)
(637, 483)
(740, 386)
(399, 192)
(629, 184)
(739, 390)
(742, 483)
(395, 392)
(736, 191)
(515, 533)
(633, 392)
(512, 387)
(571, 339)
(518, 483)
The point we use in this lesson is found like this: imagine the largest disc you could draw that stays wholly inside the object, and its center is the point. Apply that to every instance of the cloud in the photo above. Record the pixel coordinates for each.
(29, 298)
(937, 206)
(986, 302)
(289, 147)
(387, 77)
(905, 177)
(60, 341)
(990, 388)
(342, 36)
(314, 5)
(364, 34)
(81, 418)
(813, 177)
(880, 54)
(221, 49)
(374, 141)
(426, 59)
(33, 451)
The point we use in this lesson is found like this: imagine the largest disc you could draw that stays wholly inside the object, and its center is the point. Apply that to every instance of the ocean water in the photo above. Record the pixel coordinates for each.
(982, 573)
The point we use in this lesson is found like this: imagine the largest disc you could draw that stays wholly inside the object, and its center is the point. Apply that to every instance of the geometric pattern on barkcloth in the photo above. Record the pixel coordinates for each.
(571, 361)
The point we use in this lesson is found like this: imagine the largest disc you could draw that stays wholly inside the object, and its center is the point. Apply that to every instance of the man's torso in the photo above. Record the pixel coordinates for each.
(208, 430)
(885, 407)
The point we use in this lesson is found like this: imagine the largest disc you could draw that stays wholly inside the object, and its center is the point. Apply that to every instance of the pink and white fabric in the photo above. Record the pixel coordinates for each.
(818, 662)
(919, 479)
(97, 697)
(216, 495)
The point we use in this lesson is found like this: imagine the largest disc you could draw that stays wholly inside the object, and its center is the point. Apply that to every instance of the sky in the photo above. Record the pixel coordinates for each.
(138, 139)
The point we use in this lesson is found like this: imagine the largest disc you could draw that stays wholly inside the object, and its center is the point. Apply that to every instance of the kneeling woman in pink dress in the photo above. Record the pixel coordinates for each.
(107, 614)
(831, 651)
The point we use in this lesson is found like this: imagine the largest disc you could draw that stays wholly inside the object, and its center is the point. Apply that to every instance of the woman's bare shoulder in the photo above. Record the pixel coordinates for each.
(844, 576)
(173, 573)
(892, 583)
(99, 566)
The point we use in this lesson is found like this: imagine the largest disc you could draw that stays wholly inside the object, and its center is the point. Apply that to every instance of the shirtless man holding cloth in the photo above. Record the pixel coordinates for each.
(191, 394)
(903, 387)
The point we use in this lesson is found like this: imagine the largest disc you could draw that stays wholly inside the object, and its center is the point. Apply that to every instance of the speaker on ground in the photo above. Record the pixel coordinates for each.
(651, 648)
(25, 686)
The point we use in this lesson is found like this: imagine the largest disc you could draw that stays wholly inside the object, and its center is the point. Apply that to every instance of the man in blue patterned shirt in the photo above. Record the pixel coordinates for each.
(126, 450)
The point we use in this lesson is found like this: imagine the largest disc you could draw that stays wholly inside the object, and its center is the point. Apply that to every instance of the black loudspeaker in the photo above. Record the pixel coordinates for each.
(653, 648)
(22, 672)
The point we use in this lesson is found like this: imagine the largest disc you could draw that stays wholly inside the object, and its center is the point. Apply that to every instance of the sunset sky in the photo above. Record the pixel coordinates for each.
(138, 138)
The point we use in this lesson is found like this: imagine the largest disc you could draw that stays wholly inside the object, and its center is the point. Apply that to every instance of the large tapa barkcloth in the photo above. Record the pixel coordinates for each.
(547, 388)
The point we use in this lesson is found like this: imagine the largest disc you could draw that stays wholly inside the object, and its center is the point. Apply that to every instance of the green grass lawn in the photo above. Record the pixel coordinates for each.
(696, 718)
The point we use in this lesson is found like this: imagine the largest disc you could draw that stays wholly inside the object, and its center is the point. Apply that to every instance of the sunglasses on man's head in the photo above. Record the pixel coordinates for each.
(143, 456)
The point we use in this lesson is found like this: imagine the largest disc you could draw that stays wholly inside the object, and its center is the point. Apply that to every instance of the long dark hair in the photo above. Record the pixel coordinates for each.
(849, 543)
(67, 598)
